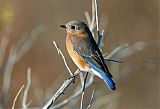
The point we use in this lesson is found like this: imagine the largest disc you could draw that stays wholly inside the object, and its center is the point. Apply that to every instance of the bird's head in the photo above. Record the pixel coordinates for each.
(75, 27)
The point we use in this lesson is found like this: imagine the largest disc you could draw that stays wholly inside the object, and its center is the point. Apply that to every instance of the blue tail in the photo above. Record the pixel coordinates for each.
(109, 82)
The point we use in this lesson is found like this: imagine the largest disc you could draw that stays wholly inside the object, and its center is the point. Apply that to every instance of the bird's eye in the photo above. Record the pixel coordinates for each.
(73, 27)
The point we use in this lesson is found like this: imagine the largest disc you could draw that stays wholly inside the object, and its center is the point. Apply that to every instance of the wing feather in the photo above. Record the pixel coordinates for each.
(87, 47)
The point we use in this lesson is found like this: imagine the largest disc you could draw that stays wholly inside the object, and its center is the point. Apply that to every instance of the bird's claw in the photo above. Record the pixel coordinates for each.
(72, 76)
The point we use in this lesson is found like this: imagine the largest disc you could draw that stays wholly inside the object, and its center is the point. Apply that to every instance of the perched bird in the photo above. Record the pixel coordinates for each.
(85, 53)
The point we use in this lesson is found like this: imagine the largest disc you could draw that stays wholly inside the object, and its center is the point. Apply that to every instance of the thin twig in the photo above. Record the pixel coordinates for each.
(29, 103)
(54, 85)
(83, 82)
(97, 23)
(96, 10)
(93, 17)
(82, 96)
(87, 17)
(15, 99)
(82, 85)
(7, 78)
(60, 91)
(64, 60)
(24, 104)
(90, 102)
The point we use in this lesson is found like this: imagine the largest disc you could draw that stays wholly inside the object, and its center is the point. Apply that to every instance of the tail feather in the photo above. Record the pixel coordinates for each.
(108, 81)
(95, 69)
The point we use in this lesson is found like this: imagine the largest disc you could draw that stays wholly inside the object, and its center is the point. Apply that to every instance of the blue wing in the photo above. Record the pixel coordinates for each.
(88, 47)
(109, 82)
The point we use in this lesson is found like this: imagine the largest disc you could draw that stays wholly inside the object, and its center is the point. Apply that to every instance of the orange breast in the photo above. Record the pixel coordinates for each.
(78, 60)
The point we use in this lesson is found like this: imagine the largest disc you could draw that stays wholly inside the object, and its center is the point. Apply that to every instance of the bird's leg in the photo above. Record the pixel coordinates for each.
(113, 60)
(85, 80)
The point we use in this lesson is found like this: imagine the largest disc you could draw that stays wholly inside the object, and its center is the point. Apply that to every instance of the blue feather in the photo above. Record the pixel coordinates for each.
(108, 81)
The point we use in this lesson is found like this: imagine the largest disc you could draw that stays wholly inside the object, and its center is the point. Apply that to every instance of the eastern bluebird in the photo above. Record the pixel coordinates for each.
(85, 53)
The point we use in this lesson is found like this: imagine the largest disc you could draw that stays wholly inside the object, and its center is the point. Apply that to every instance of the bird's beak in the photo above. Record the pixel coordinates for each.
(63, 26)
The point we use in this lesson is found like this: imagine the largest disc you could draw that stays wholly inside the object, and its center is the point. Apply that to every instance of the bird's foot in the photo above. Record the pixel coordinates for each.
(72, 76)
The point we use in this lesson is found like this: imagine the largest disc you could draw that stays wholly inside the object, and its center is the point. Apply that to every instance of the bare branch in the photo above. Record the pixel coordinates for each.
(76, 94)
(96, 10)
(90, 102)
(91, 26)
(15, 99)
(58, 93)
(38, 90)
(24, 105)
(4, 43)
(87, 17)
(97, 23)
(64, 60)
(82, 96)
(16, 52)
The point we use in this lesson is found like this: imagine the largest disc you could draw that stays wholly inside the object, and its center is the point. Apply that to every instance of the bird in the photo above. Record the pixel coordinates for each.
(85, 52)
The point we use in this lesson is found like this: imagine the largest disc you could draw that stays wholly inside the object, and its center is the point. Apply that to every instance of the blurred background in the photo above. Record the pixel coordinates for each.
(37, 22)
